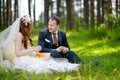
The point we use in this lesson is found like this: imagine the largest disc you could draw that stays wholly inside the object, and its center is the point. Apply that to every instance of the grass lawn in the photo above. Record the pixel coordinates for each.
(101, 58)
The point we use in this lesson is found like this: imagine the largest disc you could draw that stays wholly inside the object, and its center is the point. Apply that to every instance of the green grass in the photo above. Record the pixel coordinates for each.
(91, 50)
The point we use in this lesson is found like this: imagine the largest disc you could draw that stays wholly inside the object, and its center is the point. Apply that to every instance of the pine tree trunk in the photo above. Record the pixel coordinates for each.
(92, 14)
(29, 6)
(4, 14)
(102, 17)
(16, 9)
(58, 8)
(98, 13)
(70, 14)
(116, 4)
(51, 7)
(8, 13)
(109, 11)
(46, 12)
(86, 13)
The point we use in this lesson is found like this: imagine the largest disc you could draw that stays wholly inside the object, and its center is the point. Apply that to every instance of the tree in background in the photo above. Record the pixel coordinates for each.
(16, 9)
(46, 11)
(4, 14)
(70, 14)
(98, 12)
(8, 13)
(86, 13)
(58, 8)
(102, 17)
(109, 11)
(92, 14)
(51, 7)
(75, 11)
(62, 8)
(29, 6)
(116, 5)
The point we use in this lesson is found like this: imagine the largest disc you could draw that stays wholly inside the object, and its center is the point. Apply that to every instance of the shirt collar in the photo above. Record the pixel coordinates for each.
(56, 32)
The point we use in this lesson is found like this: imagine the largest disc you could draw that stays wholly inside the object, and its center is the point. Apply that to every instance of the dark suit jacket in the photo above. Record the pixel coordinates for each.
(46, 42)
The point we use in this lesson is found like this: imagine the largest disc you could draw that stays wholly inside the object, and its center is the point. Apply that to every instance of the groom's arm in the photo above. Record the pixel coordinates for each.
(64, 41)
(41, 42)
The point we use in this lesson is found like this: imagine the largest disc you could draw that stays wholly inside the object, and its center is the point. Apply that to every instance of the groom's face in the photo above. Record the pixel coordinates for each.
(52, 26)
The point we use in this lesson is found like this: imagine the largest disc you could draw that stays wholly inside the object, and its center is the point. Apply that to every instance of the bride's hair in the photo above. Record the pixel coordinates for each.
(25, 30)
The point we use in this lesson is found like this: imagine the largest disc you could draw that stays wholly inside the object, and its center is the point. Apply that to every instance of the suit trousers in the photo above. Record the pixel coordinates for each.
(70, 55)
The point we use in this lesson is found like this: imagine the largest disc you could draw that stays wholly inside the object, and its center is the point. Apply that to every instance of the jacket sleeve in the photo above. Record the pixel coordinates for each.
(64, 40)
(41, 42)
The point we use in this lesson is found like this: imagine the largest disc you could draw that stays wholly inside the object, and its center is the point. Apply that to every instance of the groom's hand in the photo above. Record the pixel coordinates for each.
(63, 49)
(59, 49)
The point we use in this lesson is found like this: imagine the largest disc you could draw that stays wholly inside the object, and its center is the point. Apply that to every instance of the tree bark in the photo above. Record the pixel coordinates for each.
(51, 4)
(102, 17)
(116, 5)
(4, 14)
(8, 14)
(86, 13)
(70, 14)
(46, 12)
(109, 7)
(109, 11)
(92, 14)
(29, 6)
(58, 8)
(16, 10)
(98, 13)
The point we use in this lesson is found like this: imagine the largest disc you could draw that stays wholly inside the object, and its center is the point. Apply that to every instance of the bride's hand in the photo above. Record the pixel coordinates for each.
(38, 48)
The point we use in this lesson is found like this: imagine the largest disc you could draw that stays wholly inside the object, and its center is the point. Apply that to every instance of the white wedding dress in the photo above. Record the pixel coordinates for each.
(38, 65)
(28, 63)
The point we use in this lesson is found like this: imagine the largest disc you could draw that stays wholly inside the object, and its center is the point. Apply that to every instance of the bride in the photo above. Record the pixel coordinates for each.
(16, 50)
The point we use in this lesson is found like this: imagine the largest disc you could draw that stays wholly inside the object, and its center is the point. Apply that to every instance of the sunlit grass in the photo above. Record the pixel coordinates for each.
(35, 40)
(82, 44)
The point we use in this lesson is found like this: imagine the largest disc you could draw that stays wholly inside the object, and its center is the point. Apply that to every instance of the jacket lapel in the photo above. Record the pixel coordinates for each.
(49, 37)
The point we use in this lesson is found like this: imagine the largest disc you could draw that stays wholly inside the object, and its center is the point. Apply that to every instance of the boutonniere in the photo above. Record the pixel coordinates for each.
(47, 40)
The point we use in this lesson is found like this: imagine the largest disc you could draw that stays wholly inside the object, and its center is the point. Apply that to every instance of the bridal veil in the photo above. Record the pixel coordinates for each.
(7, 37)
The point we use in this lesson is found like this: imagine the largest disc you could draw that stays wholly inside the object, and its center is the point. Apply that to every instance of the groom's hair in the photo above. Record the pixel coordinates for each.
(56, 18)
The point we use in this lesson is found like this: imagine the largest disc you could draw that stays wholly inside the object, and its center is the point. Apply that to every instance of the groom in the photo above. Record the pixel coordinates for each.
(54, 41)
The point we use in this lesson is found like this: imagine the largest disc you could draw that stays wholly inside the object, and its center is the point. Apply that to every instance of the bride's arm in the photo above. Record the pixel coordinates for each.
(18, 47)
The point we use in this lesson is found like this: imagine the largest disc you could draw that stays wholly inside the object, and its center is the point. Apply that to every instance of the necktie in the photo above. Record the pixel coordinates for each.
(55, 39)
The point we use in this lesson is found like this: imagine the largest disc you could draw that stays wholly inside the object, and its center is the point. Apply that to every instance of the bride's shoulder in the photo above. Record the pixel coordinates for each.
(18, 36)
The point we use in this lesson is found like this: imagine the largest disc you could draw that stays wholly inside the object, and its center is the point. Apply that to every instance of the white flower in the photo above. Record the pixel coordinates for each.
(26, 19)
